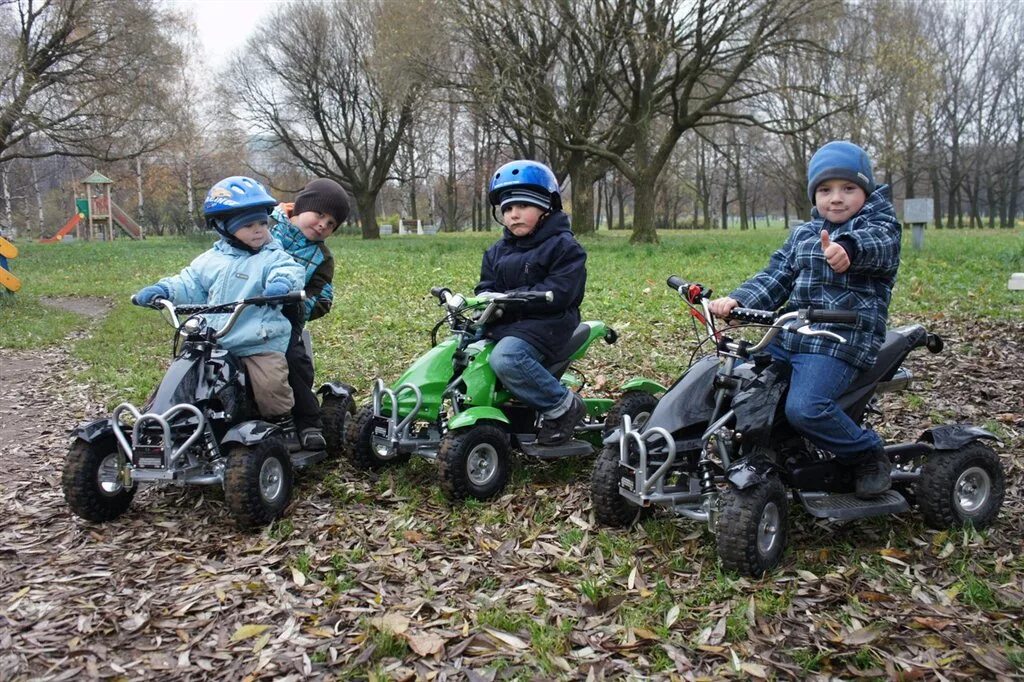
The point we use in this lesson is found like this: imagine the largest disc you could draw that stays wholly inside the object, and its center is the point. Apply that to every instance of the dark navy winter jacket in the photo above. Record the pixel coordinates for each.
(548, 259)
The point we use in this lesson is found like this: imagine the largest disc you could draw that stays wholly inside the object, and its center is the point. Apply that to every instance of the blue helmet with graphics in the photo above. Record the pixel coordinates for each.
(234, 202)
(524, 182)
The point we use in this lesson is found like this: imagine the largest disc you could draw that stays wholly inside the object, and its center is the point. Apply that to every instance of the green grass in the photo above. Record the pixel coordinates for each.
(383, 311)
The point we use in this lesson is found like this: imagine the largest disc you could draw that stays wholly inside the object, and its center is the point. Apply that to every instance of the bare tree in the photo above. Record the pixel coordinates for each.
(337, 86)
(76, 74)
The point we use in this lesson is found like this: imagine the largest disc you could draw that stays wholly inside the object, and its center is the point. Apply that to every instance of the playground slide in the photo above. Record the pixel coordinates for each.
(68, 226)
(125, 222)
(7, 279)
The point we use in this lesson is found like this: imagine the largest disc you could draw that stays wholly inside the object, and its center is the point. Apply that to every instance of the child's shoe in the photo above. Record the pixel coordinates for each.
(312, 439)
(560, 429)
(873, 475)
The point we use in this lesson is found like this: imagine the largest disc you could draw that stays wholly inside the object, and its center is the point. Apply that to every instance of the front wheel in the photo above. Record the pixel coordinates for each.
(610, 507)
(752, 528)
(637, 404)
(962, 487)
(335, 412)
(258, 483)
(361, 448)
(90, 480)
(474, 462)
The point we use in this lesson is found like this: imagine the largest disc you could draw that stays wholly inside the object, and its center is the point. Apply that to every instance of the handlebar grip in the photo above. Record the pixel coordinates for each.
(438, 292)
(752, 315)
(677, 283)
(840, 316)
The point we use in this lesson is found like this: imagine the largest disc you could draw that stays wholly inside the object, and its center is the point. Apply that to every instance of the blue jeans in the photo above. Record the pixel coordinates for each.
(817, 380)
(518, 365)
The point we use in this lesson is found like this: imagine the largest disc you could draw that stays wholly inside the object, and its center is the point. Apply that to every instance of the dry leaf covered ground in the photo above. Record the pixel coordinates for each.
(370, 578)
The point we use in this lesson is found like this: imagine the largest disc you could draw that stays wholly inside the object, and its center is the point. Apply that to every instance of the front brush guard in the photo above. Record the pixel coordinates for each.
(127, 467)
(645, 490)
(398, 431)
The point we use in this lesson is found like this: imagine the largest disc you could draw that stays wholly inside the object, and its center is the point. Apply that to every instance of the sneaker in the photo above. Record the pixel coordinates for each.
(312, 439)
(873, 475)
(560, 429)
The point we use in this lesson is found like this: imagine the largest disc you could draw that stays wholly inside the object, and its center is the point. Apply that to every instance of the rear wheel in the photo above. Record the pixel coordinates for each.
(258, 483)
(752, 527)
(90, 481)
(610, 507)
(474, 462)
(962, 487)
(361, 448)
(335, 412)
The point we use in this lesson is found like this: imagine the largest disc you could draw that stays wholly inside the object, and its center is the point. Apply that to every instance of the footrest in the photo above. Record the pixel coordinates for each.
(847, 506)
(305, 458)
(572, 448)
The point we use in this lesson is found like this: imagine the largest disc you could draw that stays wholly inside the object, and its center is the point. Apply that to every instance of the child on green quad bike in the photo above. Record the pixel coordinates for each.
(537, 252)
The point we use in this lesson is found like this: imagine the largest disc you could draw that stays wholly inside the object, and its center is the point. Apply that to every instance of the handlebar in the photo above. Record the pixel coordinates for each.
(495, 302)
(235, 308)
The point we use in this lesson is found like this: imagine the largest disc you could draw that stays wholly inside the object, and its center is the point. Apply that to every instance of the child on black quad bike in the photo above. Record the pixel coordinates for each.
(199, 427)
(846, 257)
(537, 252)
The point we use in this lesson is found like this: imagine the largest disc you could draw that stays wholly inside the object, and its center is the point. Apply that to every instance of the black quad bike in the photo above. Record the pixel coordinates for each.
(199, 427)
(449, 405)
(717, 448)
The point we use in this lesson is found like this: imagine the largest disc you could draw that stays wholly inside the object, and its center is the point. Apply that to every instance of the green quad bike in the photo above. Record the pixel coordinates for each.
(450, 406)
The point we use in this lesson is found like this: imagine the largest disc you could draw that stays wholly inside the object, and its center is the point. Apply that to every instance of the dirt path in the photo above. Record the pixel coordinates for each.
(172, 591)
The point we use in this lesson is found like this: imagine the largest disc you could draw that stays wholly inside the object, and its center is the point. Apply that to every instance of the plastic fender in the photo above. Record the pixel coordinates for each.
(249, 433)
(641, 384)
(748, 472)
(955, 436)
(598, 407)
(337, 389)
(90, 432)
(431, 373)
(180, 383)
(690, 400)
(476, 414)
(478, 379)
(598, 330)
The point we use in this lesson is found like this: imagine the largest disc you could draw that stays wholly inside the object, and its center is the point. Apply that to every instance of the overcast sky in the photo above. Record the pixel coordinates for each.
(225, 24)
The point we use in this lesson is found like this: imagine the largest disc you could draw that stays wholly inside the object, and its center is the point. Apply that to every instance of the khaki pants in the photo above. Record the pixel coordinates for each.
(268, 375)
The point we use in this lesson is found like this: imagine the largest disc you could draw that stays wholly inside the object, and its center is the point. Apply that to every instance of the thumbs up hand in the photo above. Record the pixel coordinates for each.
(836, 255)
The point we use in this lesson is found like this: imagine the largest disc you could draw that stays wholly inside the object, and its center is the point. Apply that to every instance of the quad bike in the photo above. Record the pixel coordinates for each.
(716, 447)
(199, 427)
(449, 405)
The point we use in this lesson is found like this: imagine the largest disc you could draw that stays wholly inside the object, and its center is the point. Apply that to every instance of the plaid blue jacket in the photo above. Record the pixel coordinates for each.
(799, 276)
(314, 257)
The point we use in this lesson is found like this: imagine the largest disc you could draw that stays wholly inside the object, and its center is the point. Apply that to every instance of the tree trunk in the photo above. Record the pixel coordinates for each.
(39, 196)
(138, 190)
(643, 214)
(725, 207)
(582, 199)
(785, 212)
(598, 203)
(8, 210)
(367, 203)
(190, 195)
(451, 198)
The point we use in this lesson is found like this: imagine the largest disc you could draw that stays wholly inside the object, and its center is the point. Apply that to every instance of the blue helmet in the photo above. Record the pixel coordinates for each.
(234, 194)
(525, 181)
(235, 201)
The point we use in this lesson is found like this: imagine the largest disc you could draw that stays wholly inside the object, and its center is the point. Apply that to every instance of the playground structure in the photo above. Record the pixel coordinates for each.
(97, 214)
(8, 282)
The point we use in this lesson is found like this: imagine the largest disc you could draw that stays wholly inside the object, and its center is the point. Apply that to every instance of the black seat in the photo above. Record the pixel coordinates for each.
(897, 345)
(579, 337)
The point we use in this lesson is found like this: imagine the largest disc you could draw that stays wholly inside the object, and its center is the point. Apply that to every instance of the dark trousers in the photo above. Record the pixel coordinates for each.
(300, 377)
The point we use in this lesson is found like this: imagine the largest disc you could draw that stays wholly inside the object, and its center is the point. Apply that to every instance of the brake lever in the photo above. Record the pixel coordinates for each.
(806, 330)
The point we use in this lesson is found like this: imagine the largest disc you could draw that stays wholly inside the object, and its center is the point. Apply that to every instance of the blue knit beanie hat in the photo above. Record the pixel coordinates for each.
(235, 222)
(840, 160)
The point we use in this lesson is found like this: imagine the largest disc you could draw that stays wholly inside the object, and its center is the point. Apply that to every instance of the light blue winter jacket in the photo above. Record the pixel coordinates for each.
(225, 274)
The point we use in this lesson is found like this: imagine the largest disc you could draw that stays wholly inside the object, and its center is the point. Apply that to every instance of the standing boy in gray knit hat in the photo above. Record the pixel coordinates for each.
(845, 258)
(301, 228)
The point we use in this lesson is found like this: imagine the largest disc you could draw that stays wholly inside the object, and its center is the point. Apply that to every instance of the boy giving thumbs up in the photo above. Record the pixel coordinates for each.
(844, 258)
